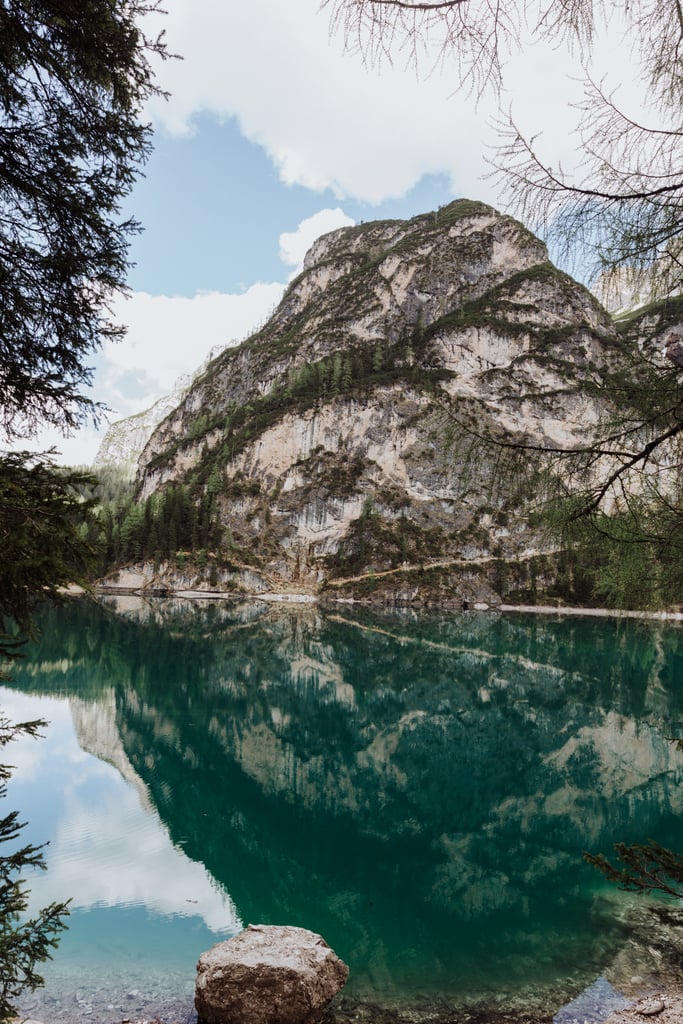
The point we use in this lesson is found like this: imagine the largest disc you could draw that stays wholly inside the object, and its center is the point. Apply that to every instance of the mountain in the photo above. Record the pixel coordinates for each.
(342, 439)
(125, 439)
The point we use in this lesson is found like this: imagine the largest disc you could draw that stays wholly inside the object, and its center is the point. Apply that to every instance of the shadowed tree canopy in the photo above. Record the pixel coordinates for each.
(42, 545)
(644, 868)
(74, 78)
(74, 75)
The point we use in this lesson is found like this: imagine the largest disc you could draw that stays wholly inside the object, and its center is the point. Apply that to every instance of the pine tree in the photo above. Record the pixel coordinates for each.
(132, 532)
(646, 867)
(347, 374)
(336, 373)
(43, 550)
(74, 75)
(24, 943)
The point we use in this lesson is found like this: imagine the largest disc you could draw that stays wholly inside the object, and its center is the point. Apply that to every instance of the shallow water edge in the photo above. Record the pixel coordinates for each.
(653, 947)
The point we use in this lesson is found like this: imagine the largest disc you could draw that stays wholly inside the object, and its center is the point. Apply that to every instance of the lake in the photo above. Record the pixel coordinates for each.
(416, 788)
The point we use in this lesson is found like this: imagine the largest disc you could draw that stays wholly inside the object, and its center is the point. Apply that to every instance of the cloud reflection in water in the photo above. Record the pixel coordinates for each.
(108, 847)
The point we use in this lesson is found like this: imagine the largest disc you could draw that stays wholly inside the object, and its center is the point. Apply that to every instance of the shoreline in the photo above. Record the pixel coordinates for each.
(618, 613)
(309, 598)
(598, 1003)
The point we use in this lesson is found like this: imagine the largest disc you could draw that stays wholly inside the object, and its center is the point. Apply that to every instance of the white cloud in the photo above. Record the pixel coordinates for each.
(79, 449)
(29, 757)
(107, 846)
(109, 851)
(326, 120)
(295, 244)
(169, 336)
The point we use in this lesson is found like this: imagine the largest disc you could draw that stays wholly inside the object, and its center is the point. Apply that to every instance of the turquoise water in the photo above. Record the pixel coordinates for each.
(418, 789)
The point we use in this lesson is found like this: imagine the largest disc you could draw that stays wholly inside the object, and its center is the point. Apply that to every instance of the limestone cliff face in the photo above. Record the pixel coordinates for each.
(339, 437)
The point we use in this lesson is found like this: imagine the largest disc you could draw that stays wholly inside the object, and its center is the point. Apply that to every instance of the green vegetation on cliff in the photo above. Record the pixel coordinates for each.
(428, 391)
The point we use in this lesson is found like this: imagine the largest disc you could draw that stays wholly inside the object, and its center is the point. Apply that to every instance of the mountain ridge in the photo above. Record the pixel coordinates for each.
(341, 438)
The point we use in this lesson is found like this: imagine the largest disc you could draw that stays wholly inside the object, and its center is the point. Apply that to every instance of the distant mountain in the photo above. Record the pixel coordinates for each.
(620, 291)
(126, 438)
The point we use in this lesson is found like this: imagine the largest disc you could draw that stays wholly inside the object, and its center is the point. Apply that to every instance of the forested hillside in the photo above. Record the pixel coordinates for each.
(414, 422)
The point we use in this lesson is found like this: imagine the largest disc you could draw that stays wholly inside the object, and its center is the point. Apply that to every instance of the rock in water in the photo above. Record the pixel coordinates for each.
(268, 974)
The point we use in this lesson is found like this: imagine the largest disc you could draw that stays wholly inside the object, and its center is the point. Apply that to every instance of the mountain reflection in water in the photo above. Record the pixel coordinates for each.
(419, 790)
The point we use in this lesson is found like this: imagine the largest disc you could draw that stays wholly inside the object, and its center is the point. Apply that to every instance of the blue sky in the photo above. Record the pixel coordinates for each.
(272, 135)
(215, 207)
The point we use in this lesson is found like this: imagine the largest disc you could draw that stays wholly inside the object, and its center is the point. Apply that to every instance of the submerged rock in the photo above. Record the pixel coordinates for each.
(594, 1004)
(268, 974)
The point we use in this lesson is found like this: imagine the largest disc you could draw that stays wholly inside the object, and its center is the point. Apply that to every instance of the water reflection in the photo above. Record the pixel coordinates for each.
(108, 847)
(417, 790)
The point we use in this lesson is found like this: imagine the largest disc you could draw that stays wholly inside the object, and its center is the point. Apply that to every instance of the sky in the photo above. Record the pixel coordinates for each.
(273, 134)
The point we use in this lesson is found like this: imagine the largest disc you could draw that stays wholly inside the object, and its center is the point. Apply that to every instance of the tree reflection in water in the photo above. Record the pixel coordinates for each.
(417, 789)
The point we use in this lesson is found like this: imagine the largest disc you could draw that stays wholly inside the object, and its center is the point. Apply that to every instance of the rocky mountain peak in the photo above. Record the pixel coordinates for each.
(338, 438)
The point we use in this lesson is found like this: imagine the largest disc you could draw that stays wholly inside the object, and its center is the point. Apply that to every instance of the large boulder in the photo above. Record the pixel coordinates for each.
(268, 975)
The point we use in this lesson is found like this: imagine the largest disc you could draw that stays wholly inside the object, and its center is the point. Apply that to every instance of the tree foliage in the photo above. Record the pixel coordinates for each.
(41, 512)
(122, 530)
(625, 202)
(24, 942)
(646, 867)
(74, 75)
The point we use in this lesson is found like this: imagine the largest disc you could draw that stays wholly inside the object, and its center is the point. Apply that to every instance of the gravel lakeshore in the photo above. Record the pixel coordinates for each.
(602, 613)
(643, 982)
(664, 1007)
(105, 1001)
